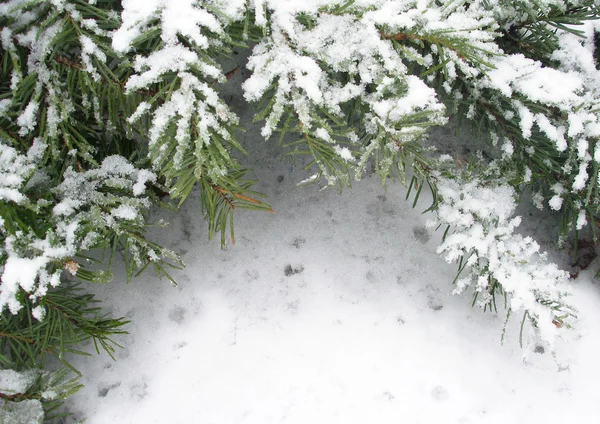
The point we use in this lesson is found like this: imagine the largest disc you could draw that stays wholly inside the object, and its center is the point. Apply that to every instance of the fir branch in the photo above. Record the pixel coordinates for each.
(101, 108)
(67, 62)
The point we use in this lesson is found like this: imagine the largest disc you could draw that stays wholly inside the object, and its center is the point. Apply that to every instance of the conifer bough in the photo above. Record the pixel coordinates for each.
(107, 106)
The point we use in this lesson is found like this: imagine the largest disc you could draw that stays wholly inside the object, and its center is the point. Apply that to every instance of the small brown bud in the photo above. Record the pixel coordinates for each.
(72, 267)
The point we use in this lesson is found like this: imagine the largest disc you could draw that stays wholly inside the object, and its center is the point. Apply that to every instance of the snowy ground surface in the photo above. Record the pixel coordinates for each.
(334, 309)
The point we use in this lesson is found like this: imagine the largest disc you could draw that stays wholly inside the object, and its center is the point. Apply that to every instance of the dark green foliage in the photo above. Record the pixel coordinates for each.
(76, 98)
(72, 317)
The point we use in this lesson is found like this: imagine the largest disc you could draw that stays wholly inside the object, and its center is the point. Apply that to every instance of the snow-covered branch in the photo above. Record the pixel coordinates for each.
(86, 207)
(496, 260)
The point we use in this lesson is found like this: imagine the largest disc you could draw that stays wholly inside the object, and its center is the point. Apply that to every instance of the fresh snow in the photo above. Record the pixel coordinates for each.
(334, 309)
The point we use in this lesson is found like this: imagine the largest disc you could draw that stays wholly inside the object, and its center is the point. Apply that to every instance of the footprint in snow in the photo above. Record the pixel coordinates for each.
(289, 270)
(177, 314)
(104, 389)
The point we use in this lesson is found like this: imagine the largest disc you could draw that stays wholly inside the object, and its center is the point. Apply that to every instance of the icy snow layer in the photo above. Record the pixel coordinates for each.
(335, 309)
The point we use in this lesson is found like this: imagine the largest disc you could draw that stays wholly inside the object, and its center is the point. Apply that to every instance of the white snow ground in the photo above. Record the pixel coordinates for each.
(334, 309)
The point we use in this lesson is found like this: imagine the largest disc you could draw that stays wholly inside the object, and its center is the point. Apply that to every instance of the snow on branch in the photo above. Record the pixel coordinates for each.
(84, 208)
(182, 69)
(26, 395)
(494, 259)
(357, 81)
(319, 59)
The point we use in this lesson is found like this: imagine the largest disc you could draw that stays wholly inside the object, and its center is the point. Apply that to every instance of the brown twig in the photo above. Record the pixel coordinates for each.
(12, 336)
(12, 397)
(224, 193)
(61, 311)
(67, 62)
(400, 36)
